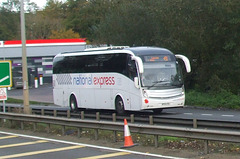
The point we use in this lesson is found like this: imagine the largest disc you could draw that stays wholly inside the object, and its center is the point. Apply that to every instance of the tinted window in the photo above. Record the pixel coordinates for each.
(91, 64)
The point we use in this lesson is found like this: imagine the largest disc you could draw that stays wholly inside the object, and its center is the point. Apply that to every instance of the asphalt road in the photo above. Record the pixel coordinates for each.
(43, 93)
(30, 147)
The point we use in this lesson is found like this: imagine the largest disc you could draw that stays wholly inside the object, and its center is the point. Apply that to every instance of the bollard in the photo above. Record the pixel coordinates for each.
(132, 118)
(34, 127)
(55, 113)
(22, 125)
(82, 115)
(206, 151)
(48, 128)
(41, 80)
(36, 82)
(97, 116)
(79, 132)
(42, 112)
(68, 114)
(151, 120)
(156, 140)
(9, 109)
(195, 123)
(63, 130)
(114, 117)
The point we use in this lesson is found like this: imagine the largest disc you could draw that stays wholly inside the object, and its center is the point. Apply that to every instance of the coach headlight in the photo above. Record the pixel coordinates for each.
(145, 94)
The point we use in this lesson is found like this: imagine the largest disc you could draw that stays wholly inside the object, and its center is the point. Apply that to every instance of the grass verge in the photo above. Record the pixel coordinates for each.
(223, 99)
(20, 101)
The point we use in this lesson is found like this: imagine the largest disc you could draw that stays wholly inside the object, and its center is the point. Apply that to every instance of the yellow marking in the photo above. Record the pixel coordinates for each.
(40, 152)
(22, 144)
(107, 155)
(7, 137)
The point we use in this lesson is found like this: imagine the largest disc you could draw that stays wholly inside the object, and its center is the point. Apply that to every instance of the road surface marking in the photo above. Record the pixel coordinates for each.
(23, 144)
(228, 115)
(207, 114)
(107, 155)
(4, 78)
(7, 137)
(40, 152)
(188, 113)
(92, 146)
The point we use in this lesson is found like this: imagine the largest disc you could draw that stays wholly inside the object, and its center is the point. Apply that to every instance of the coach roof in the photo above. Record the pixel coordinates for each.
(138, 51)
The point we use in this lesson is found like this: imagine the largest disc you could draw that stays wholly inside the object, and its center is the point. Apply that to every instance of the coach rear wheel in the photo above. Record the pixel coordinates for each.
(119, 106)
(73, 103)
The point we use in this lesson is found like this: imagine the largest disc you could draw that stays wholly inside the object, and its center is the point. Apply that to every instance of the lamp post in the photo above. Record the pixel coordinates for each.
(24, 62)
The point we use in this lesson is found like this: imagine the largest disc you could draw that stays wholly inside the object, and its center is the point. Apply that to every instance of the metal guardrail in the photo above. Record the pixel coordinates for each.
(156, 130)
(135, 118)
(156, 120)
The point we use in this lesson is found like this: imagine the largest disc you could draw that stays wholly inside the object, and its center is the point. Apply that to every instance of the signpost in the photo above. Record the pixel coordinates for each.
(24, 62)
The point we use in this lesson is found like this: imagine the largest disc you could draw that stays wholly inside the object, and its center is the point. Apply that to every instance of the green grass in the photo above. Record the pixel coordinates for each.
(20, 101)
(223, 99)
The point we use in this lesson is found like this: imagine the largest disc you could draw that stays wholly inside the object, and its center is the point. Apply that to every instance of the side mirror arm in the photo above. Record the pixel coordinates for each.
(139, 63)
(186, 62)
(136, 82)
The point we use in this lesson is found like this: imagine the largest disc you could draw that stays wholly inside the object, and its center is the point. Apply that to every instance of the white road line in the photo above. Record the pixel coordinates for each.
(40, 152)
(92, 146)
(188, 113)
(227, 115)
(207, 114)
(107, 155)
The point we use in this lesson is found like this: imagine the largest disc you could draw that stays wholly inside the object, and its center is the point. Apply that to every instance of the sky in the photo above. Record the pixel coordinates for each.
(40, 3)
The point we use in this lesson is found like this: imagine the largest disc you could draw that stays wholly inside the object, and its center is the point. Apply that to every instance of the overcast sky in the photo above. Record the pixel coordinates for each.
(40, 3)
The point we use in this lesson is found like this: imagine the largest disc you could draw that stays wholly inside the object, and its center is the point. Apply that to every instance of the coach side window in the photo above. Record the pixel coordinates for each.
(59, 65)
(132, 69)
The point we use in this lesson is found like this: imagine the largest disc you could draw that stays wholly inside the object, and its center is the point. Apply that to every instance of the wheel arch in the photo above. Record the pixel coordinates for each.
(126, 104)
(116, 97)
(72, 94)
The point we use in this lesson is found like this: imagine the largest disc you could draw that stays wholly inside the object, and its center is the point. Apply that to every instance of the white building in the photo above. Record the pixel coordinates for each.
(40, 54)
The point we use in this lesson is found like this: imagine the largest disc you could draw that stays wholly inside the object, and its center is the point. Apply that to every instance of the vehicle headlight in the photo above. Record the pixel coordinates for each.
(145, 94)
(183, 90)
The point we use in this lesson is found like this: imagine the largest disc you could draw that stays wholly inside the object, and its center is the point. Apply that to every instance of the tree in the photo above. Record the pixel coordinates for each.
(129, 23)
(205, 31)
(64, 34)
(41, 23)
(84, 15)
(10, 23)
(10, 18)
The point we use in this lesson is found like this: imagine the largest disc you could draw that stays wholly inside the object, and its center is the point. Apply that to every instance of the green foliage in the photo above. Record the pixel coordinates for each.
(64, 34)
(222, 99)
(19, 101)
(10, 24)
(207, 32)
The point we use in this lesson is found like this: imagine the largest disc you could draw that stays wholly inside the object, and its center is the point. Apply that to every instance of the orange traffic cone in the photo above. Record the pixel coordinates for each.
(127, 136)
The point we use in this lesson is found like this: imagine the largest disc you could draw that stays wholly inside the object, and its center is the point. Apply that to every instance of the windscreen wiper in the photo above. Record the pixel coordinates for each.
(159, 81)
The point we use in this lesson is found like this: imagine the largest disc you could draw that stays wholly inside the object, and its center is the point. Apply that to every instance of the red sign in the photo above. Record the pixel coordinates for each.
(3, 93)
